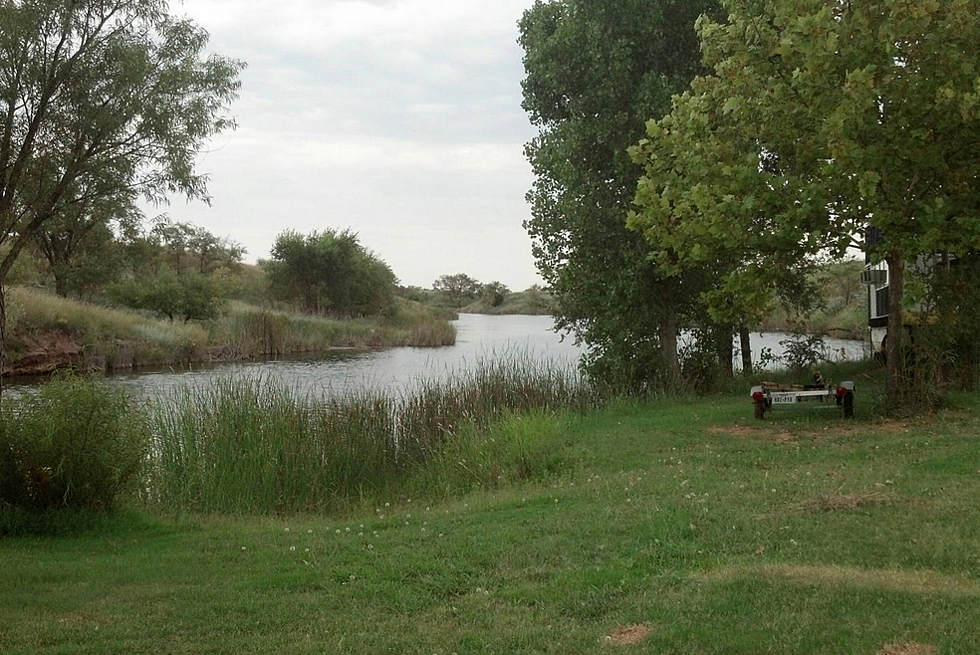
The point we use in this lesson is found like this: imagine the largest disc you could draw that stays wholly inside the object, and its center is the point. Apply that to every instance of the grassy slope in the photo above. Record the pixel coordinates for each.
(689, 519)
(119, 338)
(530, 302)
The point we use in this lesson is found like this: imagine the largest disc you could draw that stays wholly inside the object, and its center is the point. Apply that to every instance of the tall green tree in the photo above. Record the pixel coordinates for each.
(330, 272)
(100, 98)
(820, 119)
(596, 72)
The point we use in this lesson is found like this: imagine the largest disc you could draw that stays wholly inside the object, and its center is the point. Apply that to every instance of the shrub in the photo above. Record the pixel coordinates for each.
(520, 447)
(190, 296)
(803, 351)
(76, 444)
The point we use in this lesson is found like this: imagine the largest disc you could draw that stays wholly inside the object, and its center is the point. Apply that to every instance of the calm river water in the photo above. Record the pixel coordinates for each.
(479, 337)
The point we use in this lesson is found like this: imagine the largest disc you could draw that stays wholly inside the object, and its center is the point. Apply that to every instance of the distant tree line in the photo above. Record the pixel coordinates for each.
(464, 293)
(185, 272)
(173, 269)
(460, 290)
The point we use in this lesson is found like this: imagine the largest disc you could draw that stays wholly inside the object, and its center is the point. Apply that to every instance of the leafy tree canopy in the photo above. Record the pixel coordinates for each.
(818, 120)
(459, 289)
(494, 293)
(100, 98)
(190, 246)
(190, 296)
(330, 271)
(80, 246)
(596, 72)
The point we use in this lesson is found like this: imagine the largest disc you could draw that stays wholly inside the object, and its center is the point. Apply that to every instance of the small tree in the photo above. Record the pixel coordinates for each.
(494, 293)
(189, 296)
(459, 289)
(212, 252)
(80, 246)
(330, 271)
(185, 246)
(99, 99)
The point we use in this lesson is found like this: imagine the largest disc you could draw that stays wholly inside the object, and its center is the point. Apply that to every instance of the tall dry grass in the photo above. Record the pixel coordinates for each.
(113, 339)
(109, 338)
(249, 331)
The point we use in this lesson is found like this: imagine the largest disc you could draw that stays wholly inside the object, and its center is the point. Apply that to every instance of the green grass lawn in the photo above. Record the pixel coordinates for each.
(685, 528)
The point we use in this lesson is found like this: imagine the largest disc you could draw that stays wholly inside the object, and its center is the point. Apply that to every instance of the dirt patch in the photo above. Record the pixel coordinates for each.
(910, 648)
(829, 432)
(849, 502)
(44, 353)
(897, 580)
(747, 431)
(891, 427)
(629, 635)
(734, 430)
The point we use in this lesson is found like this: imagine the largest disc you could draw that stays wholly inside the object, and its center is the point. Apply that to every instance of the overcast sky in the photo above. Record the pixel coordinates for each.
(400, 119)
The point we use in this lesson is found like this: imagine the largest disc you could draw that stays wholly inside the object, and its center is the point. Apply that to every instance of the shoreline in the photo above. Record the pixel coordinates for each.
(42, 365)
(47, 333)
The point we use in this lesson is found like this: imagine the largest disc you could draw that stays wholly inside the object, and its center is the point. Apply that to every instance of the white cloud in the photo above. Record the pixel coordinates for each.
(398, 118)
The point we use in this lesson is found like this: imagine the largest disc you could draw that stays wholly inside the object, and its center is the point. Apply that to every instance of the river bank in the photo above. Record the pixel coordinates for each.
(672, 526)
(479, 338)
(47, 333)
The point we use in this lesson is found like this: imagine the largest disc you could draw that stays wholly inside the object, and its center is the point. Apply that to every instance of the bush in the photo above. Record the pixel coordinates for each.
(76, 444)
(521, 447)
(802, 352)
(190, 296)
(330, 272)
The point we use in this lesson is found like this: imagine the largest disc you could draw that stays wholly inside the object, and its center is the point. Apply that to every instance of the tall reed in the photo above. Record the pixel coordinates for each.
(247, 445)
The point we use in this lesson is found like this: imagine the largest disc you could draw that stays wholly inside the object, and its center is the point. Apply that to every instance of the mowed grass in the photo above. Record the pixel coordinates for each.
(685, 528)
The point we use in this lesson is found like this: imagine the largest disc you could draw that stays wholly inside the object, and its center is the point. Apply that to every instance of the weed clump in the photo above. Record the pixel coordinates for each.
(75, 445)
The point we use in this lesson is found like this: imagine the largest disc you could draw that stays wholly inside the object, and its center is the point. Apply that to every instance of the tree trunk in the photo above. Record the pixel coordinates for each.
(725, 343)
(894, 347)
(60, 283)
(745, 340)
(668, 346)
(3, 335)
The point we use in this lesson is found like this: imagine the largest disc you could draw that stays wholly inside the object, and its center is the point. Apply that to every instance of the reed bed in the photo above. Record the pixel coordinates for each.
(248, 445)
